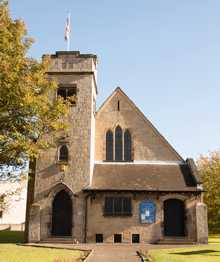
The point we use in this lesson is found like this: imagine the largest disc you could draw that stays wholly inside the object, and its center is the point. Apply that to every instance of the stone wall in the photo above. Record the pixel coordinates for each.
(149, 233)
(147, 144)
(202, 223)
(50, 175)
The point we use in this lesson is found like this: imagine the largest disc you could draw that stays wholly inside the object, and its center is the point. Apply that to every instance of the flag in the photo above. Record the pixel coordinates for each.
(67, 29)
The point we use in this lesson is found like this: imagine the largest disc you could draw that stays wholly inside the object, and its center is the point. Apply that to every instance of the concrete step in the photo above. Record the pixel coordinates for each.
(175, 241)
(58, 240)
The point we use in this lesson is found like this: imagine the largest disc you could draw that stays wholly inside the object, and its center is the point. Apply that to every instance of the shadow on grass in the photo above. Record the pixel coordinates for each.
(7, 237)
(196, 252)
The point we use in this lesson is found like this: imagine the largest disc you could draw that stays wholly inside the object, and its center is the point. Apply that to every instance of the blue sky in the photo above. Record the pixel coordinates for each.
(164, 54)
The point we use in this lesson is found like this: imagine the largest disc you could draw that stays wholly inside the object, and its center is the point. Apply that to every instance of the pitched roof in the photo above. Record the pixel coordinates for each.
(143, 177)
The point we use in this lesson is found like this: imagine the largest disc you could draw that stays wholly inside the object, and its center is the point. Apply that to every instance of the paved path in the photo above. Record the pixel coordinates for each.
(107, 253)
(110, 252)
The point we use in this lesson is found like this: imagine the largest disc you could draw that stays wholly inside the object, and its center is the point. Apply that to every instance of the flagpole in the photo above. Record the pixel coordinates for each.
(67, 32)
(68, 41)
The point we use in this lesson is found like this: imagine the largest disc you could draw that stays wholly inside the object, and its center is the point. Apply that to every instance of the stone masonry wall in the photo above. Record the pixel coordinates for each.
(149, 233)
(49, 173)
(147, 144)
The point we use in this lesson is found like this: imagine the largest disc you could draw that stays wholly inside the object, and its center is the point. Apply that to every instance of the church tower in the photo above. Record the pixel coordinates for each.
(57, 205)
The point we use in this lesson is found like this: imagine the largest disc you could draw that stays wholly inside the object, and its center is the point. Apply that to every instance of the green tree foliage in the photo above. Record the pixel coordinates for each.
(27, 111)
(209, 167)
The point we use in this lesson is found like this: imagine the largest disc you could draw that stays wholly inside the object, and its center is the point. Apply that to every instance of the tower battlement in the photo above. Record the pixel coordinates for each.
(72, 62)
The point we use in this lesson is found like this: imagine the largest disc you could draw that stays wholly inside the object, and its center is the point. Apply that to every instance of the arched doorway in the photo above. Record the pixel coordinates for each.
(62, 214)
(174, 218)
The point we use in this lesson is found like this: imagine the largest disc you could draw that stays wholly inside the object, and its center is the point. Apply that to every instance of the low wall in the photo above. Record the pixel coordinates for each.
(12, 227)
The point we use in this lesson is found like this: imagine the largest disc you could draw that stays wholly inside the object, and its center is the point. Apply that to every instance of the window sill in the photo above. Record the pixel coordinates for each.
(117, 215)
(120, 161)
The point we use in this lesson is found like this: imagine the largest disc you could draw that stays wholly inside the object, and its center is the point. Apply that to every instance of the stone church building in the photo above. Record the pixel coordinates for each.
(112, 178)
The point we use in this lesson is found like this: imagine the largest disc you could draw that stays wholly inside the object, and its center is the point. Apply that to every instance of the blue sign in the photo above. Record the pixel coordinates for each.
(147, 212)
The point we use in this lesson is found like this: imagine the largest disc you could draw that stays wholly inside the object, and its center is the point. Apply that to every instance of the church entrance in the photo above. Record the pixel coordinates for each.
(62, 214)
(174, 218)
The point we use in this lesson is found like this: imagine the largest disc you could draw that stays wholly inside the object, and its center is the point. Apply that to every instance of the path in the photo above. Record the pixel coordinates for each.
(110, 252)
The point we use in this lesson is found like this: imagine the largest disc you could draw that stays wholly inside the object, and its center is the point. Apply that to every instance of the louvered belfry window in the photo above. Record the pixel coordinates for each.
(63, 154)
(109, 145)
(127, 145)
(118, 144)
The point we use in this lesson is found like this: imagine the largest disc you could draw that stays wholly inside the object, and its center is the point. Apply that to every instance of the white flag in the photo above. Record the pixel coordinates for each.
(67, 29)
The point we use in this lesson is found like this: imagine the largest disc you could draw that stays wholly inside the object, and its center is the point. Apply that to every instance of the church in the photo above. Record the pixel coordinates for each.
(112, 178)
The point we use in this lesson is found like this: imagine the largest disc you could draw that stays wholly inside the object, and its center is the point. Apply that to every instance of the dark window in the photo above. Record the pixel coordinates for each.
(127, 205)
(117, 206)
(117, 238)
(127, 146)
(109, 145)
(118, 143)
(63, 153)
(67, 93)
(109, 207)
(118, 202)
(135, 238)
(1, 214)
(99, 238)
(118, 105)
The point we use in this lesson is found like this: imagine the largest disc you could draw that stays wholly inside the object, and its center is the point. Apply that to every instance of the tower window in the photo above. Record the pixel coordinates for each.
(63, 154)
(67, 93)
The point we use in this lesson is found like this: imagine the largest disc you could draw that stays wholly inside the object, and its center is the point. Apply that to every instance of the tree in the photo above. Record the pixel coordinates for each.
(209, 167)
(27, 112)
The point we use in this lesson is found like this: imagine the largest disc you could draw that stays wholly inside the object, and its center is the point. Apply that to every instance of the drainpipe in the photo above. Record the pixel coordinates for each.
(86, 223)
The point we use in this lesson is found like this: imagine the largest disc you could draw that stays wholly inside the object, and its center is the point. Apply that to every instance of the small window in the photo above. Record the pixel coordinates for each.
(63, 154)
(117, 238)
(99, 238)
(135, 238)
(118, 105)
(67, 93)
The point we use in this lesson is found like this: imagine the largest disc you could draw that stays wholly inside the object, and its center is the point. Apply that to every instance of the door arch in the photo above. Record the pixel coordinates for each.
(174, 218)
(62, 214)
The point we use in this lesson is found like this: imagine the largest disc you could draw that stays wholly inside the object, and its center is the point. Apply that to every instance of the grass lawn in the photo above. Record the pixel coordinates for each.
(16, 253)
(204, 253)
(11, 251)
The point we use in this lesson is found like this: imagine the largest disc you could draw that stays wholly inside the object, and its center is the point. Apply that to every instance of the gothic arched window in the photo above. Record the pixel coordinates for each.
(118, 144)
(63, 153)
(127, 145)
(109, 145)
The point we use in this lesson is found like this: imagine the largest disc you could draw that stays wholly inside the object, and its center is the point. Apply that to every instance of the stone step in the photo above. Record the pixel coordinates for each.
(58, 240)
(175, 241)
